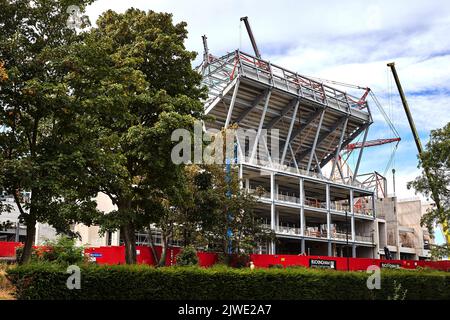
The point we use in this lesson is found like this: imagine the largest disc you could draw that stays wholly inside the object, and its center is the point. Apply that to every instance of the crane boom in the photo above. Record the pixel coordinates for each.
(252, 38)
(434, 193)
(371, 143)
(406, 107)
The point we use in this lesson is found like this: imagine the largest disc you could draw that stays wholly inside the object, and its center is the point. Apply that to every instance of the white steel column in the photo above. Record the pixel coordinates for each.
(241, 175)
(261, 123)
(352, 215)
(233, 101)
(313, 149)
(338, 149)
(327, 188)
(272, 210)
(291, 126)
(302, 209)
(360, 154)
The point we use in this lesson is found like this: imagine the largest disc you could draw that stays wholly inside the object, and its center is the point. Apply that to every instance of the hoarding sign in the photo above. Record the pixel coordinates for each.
(320, 263)
(390, 265)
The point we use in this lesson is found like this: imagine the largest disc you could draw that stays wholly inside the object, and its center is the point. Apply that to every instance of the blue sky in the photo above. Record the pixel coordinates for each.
(346, 41)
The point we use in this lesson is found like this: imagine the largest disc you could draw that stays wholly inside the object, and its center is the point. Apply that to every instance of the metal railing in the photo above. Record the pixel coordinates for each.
(338, 206)
(288, 230)
(221, 70)
(288, 198)
(363, 211)
(315, 203)
(364, 238)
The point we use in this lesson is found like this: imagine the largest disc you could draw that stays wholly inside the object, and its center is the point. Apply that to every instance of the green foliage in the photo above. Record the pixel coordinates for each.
(217, 203)
(398, 294)
(39, 115)
(48, 281)
(187, 257)
(132, 75)
(61, 251)
(439, 252)
(436, 158)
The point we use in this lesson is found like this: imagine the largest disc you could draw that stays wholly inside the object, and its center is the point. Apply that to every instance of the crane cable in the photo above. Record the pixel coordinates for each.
(380, 108)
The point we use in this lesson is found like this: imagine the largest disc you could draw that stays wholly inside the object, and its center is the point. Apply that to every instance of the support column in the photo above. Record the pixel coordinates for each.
(115, 238)
(272, 210)
(354, 251)
(352, 221)
(327, 186)
(302, 209)
(303, 249)
(330, 253)
(355, 173)
(352, 213)
(313, 149)
(231, 107)
(241, 175)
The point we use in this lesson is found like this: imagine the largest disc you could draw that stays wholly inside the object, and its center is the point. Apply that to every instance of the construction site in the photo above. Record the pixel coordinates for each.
(316, 204)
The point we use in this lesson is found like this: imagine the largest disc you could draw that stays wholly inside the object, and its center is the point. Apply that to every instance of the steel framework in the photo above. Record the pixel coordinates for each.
(315, 121)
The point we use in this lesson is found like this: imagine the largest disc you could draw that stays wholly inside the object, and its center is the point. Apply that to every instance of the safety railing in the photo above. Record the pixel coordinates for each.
(288, 230)
(288, 198)
(364, 238)
(339, 206)
(220, 70)
(314, 203)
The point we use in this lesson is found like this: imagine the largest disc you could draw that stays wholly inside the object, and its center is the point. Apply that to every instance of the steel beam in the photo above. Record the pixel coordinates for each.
(221, 95)
(360, 154)
(345, 143)
(261, 122)
(252, 106)
(306, 124)
(288, 137)
(231, 107)
(338, 149)
(286, 109)
(313, 149)
(321, 139)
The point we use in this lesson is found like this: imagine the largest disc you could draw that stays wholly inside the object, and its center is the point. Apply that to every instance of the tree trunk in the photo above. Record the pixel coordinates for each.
(152, 246)
(29, 241)
(162, 259)
(129, 238)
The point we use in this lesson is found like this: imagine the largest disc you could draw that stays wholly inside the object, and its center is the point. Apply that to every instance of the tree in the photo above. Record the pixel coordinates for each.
(437, 159)
(222, 214)
(3, 73)
(135, 78)
(38, 114)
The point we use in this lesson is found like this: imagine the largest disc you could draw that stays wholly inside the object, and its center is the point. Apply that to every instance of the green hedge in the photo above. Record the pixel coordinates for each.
(48, 281)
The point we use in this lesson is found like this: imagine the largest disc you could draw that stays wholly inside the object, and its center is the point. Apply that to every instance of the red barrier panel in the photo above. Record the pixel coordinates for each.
(207, 259)
(8, 249)
(116, 255)
(338, 263)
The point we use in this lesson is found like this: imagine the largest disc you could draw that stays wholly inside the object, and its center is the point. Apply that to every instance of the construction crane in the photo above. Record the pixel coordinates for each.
(434, 192)
(252, 38)
(378, 142)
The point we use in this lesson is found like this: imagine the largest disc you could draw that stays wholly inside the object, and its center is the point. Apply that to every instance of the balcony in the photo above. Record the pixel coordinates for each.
(341, 235)
(315, 203)
(363, 211)
(288, 198)
(315, 232)
(264, 194)
(364, 238)
(288, 230)
(340, 206)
